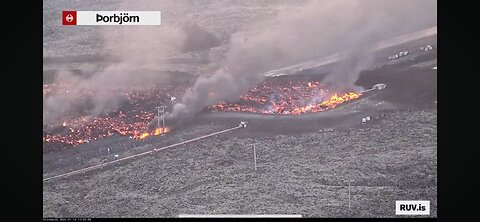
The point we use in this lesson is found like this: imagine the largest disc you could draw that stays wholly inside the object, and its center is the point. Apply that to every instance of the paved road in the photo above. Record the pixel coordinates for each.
(90, 168)
(343, 55)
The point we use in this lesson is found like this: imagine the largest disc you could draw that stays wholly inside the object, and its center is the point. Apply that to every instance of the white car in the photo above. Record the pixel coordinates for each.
(243, 124)
(379, 86)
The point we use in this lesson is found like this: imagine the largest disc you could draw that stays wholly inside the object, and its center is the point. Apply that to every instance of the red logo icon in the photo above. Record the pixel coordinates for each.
(69, 17)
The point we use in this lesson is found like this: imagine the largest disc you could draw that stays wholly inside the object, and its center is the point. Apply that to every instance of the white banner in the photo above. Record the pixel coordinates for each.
(112, 18)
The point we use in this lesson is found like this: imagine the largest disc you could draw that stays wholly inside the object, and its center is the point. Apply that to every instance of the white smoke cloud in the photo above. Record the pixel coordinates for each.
(303, 32)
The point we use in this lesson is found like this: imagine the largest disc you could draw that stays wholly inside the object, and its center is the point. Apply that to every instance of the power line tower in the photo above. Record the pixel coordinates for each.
(162, 109)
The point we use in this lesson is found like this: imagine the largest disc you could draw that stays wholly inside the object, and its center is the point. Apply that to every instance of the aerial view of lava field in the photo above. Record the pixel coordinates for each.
(257, 108)
(137, 111)
(131, 118)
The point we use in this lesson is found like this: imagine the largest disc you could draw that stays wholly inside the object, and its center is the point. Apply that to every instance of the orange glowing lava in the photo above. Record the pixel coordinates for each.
(143, 135)
(155, 132)
(312, 85)
(287, 99)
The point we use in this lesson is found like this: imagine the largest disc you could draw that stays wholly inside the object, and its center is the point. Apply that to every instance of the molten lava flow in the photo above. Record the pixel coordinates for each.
(312, 85)
(287, 99)
(156, 132)
(161, 130)
(336, 99)
(129, 118)
(331, 103)
(132, 118)
(143, 135)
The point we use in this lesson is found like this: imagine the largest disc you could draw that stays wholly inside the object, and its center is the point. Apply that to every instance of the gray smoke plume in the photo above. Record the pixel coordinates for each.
(140, 51)
(300, 33)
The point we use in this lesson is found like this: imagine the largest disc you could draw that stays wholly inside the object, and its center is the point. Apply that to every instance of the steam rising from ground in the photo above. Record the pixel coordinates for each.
(315, 29)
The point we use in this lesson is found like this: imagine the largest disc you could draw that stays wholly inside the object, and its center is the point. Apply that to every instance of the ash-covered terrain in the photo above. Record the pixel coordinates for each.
(320, 164)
